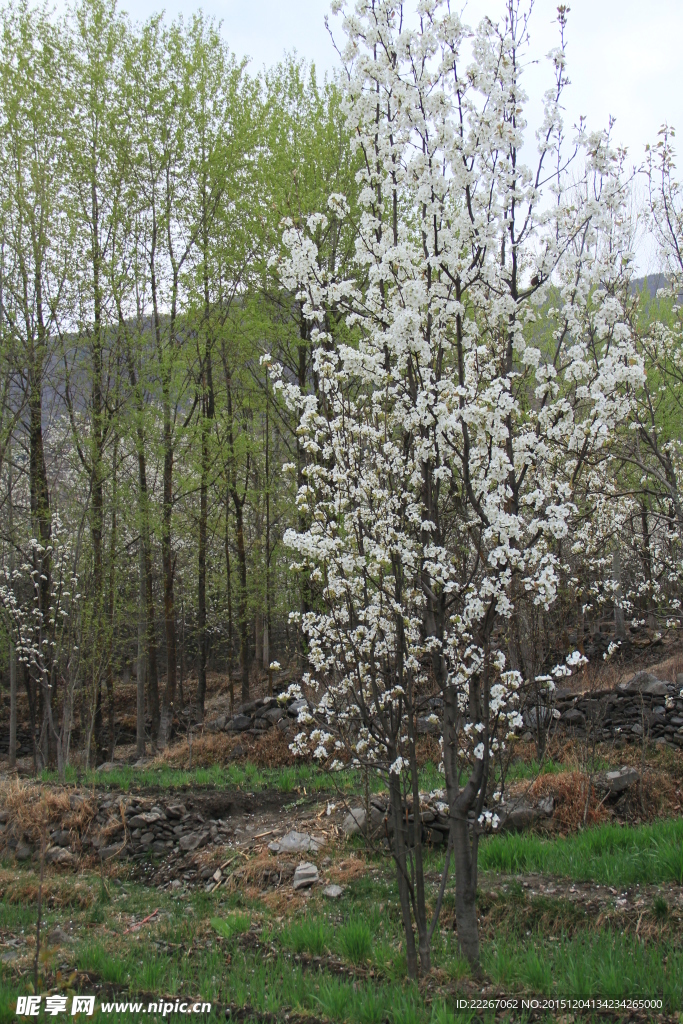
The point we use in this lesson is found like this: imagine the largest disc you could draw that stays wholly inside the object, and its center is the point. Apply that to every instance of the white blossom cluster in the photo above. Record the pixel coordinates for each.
(446, 439)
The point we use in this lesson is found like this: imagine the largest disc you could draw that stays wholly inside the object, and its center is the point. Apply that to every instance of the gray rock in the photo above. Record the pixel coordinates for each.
(305, 876)
(217, 724)
(107, 852)
(274, 715)
(518, 816)
(333, 892)
(193, 841)
(56, 855)
(435, 836)
(296, 706)
(176, 883)
(616, 781)
(106, 766)
(284, 725)
(176, 810)
(637, 730)
(572, 716)
(646, 682)
(546, 805)
(146, 818)
(354, 822)
(239, 723)
(23, 852)
(248, 708)
(425, 727)
(532, 715)
(295, 842)
(58, 937)
(657, 688)
(146, 838)
(61, 838)
(159, 846)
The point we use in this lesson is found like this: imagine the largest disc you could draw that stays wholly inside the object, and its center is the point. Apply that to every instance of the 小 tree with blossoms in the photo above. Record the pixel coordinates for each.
(447, 442)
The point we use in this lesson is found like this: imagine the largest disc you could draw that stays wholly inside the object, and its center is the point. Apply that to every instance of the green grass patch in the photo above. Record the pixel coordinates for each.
(228, 927)
(312, 935)
(608, 854)
(355, 941)
(605, 964)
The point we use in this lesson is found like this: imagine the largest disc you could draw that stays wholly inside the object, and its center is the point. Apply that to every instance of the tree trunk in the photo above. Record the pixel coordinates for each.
(112, 605)
(207, 409)
(142, 663)
(619, 628)
(12, 651)
(267, 624)
(238, 503)
(460, 802)
(151, 672)
(242, 603)
(201, 582)
(465, 889)
(231, 637)
(400, 844)
(167, 709)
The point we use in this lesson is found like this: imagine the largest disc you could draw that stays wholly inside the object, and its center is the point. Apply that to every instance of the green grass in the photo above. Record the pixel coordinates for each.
(355, 941)
(608, 854)
(312, 935)
(228, 927)
(521, 770)
(289, 779)
(605, 963)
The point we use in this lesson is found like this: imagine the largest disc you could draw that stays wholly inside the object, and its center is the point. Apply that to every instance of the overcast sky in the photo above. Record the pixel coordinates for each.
(624, 55)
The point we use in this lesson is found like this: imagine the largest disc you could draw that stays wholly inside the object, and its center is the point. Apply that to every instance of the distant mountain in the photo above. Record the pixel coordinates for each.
(651, 282)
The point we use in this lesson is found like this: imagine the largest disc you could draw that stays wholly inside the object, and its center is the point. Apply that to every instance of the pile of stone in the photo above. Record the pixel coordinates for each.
(513, 816)
(258, 715)
(645, 706)
(124, 826)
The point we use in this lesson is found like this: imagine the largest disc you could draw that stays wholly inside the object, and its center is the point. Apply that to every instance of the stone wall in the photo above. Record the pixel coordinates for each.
(645, 706)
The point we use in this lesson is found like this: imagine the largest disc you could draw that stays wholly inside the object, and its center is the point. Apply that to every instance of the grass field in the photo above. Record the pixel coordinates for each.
(611, 854)
(344, 960)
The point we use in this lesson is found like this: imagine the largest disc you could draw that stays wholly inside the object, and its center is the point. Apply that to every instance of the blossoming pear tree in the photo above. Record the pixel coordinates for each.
(488, 361)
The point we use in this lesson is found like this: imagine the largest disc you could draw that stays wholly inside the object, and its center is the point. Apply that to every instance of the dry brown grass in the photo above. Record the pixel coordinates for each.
(577, 802)
(268, 750)
(58, 890)
(34, 808)
(347, 870)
